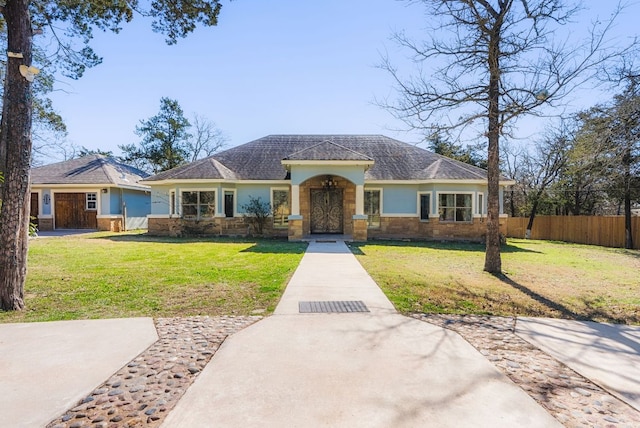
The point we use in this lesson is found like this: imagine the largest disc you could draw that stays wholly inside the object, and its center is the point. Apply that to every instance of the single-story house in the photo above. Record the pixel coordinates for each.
(91, 192)
(362, 186)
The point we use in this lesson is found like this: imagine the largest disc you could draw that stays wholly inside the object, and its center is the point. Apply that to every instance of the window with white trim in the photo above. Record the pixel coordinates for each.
(198, 205)
(372, 207)
(455, 206)
(280, 201)
(480, 203)
(425, 206)
(92, 202)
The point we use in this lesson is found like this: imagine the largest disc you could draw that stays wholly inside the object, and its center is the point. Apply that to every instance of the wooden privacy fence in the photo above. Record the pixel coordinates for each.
(607, 231)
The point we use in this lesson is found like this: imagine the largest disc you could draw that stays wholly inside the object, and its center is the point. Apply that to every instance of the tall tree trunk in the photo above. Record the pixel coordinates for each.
(15, 138)
(532, 216)
(628, 235)
(512, 204)
(493, 261)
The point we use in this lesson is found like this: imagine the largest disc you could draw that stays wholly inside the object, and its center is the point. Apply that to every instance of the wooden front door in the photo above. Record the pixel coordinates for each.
(326, 211)
(71, 212)
(35, 208)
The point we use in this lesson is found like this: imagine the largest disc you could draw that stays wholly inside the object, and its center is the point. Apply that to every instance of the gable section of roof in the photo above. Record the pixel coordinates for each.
(203, 169)
(327, 151)
(91, 169)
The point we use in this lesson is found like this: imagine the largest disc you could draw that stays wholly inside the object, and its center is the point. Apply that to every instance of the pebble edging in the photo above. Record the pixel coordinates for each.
(572, 399)
(143, 392)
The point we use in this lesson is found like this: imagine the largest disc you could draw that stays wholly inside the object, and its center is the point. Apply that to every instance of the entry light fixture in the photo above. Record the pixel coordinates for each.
(329, 183)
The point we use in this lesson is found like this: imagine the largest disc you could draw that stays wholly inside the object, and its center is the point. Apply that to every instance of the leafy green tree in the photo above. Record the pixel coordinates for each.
(83, 151)
(487, 63)
(165, 140)
(469, 154)
(67, 24)
(48, 128)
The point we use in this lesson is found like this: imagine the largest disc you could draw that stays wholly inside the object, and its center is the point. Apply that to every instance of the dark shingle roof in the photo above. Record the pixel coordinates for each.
(261, 159)
(90, 169)
(327, 151)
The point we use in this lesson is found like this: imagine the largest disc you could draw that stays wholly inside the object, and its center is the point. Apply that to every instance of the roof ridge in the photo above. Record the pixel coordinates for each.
(333, 143)
(466, 166)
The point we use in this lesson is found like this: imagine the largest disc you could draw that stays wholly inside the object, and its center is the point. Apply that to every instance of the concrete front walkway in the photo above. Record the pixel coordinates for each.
(46, 368)
(375, 369)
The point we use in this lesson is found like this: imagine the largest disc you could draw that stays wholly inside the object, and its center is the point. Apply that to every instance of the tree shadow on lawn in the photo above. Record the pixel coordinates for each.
(356, 247)
(259, 245)
(591, 313)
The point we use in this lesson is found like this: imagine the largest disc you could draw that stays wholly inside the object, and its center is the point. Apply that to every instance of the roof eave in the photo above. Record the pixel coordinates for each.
(289, 163)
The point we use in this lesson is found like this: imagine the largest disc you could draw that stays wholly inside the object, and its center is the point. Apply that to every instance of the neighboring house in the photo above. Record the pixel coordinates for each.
(362, 186)
(91, 192)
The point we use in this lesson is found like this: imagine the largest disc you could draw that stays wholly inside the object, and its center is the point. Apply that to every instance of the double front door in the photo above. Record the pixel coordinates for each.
(326, 211)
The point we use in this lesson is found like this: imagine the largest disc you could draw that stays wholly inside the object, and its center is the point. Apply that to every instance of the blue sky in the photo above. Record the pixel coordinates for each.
(269, 67)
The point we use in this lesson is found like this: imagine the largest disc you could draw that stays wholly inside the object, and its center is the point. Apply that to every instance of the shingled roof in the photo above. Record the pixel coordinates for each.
(261, 159)
(91, 169)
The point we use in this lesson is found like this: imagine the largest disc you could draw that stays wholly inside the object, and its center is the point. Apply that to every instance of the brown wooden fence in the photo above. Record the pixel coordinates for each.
(607, 231)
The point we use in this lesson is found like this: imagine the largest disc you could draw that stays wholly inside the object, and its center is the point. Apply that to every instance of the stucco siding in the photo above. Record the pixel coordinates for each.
(399, 199)
(160, 200)
(353, 173)
(244, 193)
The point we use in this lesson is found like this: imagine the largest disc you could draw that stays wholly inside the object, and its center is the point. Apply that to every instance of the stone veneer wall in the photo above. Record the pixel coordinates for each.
(45, 224)
(110, 224)
(221, 226)
(413, 228)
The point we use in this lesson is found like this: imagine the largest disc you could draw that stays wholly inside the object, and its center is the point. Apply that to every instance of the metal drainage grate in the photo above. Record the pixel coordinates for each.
(332, 307)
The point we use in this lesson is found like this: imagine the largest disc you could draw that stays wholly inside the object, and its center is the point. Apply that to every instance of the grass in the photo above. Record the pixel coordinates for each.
(105, 275)
(541, 278)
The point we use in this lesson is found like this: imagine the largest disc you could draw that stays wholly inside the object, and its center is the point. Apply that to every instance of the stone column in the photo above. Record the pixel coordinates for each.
(359, 199)
(295, 199)
(359, 228)
(295, 228)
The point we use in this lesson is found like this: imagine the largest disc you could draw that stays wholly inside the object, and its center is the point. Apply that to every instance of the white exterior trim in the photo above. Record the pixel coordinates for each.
(204, 181)
(222, 204)
(288, 163)
(419, 193)
(407, 215)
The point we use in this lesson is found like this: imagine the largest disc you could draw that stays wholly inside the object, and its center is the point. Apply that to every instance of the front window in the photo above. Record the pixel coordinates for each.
(92, 201)
(455, 207)
(425, 206)
(372, 207)
(281, 207)
(198, 205)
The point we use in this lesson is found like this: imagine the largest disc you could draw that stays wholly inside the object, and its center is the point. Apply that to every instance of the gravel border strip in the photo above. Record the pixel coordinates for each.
(144, 391)
(572, 399)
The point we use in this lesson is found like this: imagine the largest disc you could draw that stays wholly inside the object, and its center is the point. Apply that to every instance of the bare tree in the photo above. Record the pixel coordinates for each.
(487, 63)
(541, 167)
(206, 139)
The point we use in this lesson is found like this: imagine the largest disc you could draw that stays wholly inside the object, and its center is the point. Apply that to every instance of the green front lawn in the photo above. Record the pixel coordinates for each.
(547, 279)
(107, 275)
